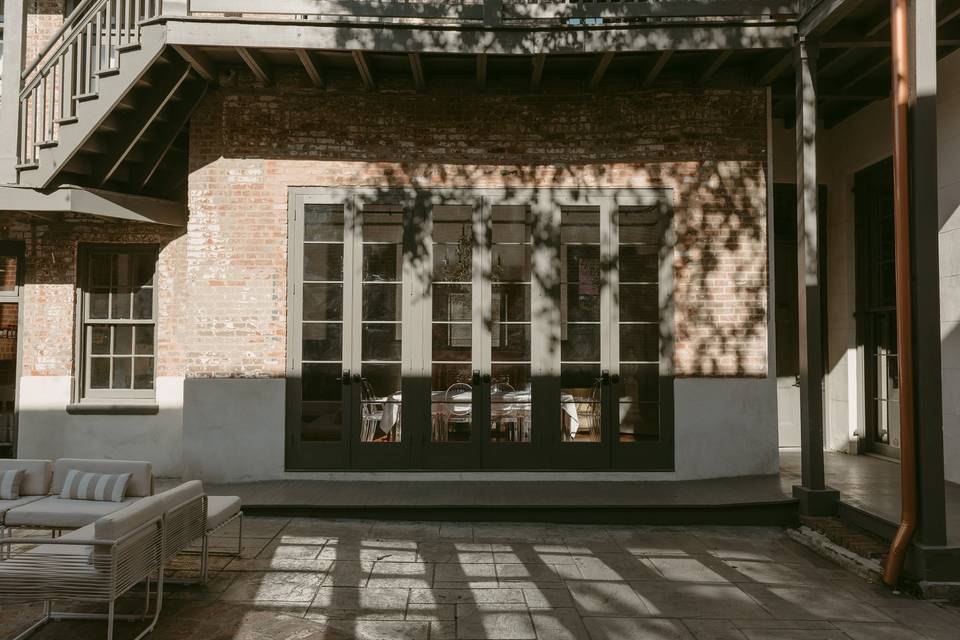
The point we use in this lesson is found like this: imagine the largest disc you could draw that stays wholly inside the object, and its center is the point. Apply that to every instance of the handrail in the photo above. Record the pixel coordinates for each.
(67, 22)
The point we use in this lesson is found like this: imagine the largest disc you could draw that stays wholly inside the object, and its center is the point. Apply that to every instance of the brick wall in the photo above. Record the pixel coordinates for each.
(249, 144)
(49, 294)
(44, 17)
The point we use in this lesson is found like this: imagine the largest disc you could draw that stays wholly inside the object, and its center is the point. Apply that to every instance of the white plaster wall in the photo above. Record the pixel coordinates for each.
(854, 144)
(948, 168)
(48, 431)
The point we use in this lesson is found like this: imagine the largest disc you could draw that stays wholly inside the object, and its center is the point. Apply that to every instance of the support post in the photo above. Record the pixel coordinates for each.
(14, 42)
(815, 498)
(925, 302)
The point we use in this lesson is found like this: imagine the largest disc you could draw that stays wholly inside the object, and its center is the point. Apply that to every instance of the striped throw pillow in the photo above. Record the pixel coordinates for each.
(86, 485)
(10, 483)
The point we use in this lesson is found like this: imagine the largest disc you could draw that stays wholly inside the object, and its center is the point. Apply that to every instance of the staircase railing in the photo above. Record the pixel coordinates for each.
(69, 67)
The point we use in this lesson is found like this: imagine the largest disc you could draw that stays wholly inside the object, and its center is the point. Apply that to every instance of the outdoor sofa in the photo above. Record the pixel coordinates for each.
(113, 545)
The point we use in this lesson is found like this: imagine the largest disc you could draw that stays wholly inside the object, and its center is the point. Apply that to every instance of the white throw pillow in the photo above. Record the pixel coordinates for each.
(10, 481)
(86, 485)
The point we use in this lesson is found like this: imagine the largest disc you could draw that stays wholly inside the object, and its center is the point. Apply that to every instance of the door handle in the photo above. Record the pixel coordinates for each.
(357, 378)
(345, 377)
(475, 378)
(486, 378)
(605, 376)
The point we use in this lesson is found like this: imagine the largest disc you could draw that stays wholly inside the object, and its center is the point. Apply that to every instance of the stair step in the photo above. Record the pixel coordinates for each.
(28, 166)
(47, 144)
(128, 47)
(87, 97)
(67, 120)
(105, 73)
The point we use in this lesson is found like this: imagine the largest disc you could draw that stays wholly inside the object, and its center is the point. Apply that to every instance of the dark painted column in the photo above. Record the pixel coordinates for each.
(815, 498)
(925, 227)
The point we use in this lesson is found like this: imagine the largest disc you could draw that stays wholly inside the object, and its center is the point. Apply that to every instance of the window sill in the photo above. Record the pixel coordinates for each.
(113, 408)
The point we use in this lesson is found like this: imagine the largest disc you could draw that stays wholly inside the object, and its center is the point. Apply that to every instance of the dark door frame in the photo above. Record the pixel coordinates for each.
(16, 249)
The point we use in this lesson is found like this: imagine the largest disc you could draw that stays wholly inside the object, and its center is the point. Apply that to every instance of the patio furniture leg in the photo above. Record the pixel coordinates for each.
(110, 613)
(204, 557)
(44, 619)
(240, 537)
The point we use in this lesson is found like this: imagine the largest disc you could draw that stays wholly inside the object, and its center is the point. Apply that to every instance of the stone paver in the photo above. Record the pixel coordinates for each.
(313, 579)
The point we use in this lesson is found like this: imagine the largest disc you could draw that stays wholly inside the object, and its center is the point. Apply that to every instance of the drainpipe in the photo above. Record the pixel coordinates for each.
(899, 99)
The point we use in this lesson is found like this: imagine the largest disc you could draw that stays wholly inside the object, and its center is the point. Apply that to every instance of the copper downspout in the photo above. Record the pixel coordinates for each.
(900, 96)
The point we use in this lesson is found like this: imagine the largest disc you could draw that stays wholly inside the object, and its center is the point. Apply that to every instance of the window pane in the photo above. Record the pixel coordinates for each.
(322, 222)
(100, 340)
(123, 340)
(101, 268)
(381, 341)
(510, 342)
(383, 379)
(638, 264)
(143, 304)
(638, 303)
(322, 302)
(581, 224)
(381, 301)
(382, 262)
(144, 265)
(382, 226)
(321, 421)
(510, 302)
(321, 381)
(122, 271)
(99, 373)
(380, 403)
(510, 403)
(144, 340)
(322, 341)
(99, 304)
(581, 343)
(451, 407)
(580, 305)
(639, 421)
(452, 341)
(8, 273)
(122, 373)
(143, 373)
(639, 342)
(640, 382)
(120, 301)
(511, 263)
(452, 302)
(323, 262)
(580, 406)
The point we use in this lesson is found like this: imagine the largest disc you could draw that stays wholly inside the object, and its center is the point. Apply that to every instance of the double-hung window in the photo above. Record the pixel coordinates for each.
(117, 326)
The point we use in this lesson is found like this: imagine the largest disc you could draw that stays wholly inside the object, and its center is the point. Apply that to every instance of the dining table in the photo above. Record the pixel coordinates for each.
(507, 403)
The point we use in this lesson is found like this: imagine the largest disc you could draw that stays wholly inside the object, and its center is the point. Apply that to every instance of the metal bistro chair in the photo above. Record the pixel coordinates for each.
(371, 412)
(457, 416)
(507, 421)
(588, 413)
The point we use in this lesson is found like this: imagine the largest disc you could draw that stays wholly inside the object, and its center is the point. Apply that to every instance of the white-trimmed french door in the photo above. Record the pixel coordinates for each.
(468, 329)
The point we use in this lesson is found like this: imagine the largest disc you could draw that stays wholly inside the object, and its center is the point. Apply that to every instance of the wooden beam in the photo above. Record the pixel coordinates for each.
(482, 70)
(416, 68)
(106, 204)
(257, 63)
(825, 15)
(713, 67)
(866, 73)
(402, 38)
(600, 69)
(199, 61)
(536, 71)
(655, 70)
(366, 74)
(947, 12)
(166, 141)
(310, 66)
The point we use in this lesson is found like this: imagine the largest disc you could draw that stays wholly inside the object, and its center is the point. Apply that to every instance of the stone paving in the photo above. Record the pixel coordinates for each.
(312, 579)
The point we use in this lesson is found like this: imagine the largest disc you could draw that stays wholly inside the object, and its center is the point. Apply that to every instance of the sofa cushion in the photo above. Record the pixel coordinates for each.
(141, 473)
(54, 512)
(220, 509)
(6, 505)
(116, 524)
(87, 485)
(10, 481)
(37, 479)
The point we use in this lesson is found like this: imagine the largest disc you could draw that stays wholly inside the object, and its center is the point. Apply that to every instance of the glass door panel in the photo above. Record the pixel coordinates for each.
(322, 418)
(381, 337)
(508, 309)
(454, 304)
(580, 325)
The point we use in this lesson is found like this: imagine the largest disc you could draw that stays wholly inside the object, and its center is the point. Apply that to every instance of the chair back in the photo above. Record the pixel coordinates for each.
(141, 473)
(453, 391)
(36, 480)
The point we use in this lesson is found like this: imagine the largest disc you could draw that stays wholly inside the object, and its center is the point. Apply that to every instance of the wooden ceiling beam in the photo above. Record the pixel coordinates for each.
(257, 64)
(482, 70)
(600, 69)
(202, 64)
(366, 73)
(311, 67)
(416, 68)
(715, 65)
(536, 71)
(656, 69)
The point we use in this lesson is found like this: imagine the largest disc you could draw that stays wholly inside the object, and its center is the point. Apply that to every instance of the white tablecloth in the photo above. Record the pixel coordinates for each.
(512, 402)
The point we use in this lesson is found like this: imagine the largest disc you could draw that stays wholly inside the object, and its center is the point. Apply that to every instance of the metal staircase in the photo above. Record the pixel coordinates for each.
(105, 104)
